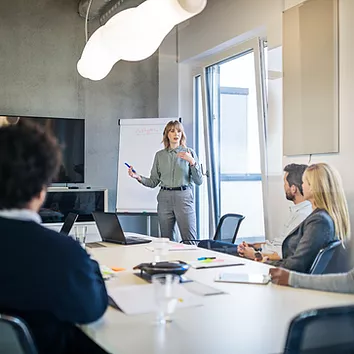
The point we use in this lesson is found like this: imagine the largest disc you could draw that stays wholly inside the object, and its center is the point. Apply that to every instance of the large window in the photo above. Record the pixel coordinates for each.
(233, 121)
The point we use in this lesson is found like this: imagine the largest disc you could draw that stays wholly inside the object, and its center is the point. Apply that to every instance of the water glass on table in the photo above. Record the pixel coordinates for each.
(160, 245)
(80, 234)
(165, 290)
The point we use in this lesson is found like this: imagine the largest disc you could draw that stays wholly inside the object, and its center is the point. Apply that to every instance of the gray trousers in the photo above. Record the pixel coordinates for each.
(177, 206)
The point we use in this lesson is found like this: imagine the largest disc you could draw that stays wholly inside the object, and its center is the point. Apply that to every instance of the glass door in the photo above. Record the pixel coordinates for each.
(202, 197)
(234, 112)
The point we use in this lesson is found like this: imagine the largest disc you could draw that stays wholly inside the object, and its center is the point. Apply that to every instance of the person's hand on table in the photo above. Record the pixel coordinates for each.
(241, 248)
(279, 276)
(257, 246)
(261, 259)
(248, 252)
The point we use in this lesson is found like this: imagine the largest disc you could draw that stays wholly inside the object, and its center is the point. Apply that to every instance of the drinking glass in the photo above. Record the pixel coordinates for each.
(80, 234)
(160, 245)
(165, 290)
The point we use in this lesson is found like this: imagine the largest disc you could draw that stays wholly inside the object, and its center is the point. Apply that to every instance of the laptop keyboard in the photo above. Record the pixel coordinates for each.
(132, 238)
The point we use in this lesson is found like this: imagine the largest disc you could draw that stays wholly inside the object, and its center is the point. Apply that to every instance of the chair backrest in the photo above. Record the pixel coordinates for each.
(15, 337)
(331, 259)
(328, 330)
(228, 227)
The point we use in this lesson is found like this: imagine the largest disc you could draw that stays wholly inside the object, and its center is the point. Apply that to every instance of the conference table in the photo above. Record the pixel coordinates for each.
(247, 318)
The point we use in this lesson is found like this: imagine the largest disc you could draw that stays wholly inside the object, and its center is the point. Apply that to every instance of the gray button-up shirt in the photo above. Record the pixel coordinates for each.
(169, 170)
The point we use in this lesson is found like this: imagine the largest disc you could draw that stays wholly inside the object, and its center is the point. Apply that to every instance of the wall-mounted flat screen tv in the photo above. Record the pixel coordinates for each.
(70, 133)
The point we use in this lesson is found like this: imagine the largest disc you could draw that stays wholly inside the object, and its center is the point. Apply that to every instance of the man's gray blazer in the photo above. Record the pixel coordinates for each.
(301, 246)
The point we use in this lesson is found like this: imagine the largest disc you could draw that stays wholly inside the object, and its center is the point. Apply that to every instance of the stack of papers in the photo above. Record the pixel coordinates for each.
(139, 299)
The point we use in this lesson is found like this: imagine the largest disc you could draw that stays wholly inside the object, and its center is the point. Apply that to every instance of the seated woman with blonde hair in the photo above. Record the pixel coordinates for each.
(329, 220)
(324, 187)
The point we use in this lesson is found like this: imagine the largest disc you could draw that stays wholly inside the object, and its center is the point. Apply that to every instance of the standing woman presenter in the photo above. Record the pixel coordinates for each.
(175, 169)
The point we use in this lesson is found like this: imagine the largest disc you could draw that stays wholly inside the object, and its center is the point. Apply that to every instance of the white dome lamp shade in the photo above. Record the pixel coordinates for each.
(134, 34)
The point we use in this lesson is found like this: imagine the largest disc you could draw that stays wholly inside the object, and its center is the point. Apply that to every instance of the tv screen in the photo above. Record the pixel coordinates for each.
(71, 137)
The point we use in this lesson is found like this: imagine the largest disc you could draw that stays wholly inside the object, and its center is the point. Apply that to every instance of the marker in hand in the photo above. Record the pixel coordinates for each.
(126, 164)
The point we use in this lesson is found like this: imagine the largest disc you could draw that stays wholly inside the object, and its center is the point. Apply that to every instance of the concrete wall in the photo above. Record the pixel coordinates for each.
(228, 22)
(40, 43)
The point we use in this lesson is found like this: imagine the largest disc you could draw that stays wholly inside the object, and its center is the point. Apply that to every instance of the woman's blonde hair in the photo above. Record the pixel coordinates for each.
(174, 124)
(328, 194)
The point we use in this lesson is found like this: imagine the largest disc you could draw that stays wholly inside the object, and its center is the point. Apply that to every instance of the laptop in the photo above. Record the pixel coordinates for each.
(111, 231)
(68, 223)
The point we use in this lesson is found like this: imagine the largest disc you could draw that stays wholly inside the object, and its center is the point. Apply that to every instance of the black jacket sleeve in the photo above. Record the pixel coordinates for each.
(317, 233)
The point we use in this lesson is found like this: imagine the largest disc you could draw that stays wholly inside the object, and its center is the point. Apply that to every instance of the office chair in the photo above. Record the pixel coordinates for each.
(328, 330)
(228, 227)
(332, 259)
(68, 223)
(226, 231)
(15, 337)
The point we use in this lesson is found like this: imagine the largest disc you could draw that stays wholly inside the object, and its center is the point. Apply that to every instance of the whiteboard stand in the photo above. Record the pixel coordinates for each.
(148, 225)
(148, 220)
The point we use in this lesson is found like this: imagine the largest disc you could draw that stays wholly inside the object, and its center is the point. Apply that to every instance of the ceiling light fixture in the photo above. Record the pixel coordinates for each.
(134, 34)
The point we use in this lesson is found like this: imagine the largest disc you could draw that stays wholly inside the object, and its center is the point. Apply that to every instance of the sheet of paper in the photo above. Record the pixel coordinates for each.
(202, 289)
(176, 247)
(139, 299)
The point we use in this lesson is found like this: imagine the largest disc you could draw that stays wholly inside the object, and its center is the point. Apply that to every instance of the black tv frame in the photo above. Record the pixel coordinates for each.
(14, 121)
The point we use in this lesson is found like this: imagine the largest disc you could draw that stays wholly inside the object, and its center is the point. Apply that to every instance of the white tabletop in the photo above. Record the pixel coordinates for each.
(249, 319)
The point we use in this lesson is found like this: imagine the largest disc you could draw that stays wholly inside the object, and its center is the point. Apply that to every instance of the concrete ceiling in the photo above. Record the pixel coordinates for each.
(105, 9)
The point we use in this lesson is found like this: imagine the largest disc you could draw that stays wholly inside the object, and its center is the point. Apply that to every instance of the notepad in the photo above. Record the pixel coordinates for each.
(107, 272)
(139, 299)
(214, 263)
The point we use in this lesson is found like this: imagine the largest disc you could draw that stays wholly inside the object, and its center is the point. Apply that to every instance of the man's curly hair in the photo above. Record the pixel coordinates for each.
(29, 160)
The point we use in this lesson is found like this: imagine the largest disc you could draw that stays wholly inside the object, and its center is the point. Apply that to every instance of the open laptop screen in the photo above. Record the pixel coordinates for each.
(68, 223)
(109, 227)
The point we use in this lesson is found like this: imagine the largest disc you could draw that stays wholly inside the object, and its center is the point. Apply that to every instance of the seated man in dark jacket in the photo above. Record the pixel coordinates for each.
(46, 278)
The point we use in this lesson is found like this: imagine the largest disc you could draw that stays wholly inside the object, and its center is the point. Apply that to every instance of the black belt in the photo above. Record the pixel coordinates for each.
(182, 188)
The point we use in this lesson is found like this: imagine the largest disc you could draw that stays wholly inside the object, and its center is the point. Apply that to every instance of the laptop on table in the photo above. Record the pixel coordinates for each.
(110, 230)
(68, 223)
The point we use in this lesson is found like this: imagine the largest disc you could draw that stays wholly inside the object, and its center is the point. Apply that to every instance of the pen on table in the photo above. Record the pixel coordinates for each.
(126, 164)
(205, 258)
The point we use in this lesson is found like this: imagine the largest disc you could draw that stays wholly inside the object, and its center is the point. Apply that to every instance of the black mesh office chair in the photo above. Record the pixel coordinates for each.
(15, 337)
(226, 231)
(332, 259)
(328, 330)
(228, 227)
